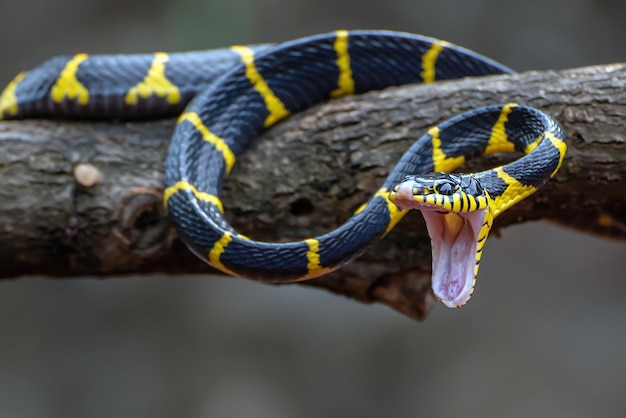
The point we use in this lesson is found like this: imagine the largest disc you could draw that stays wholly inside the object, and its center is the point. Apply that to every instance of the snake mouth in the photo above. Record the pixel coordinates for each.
(454, 239)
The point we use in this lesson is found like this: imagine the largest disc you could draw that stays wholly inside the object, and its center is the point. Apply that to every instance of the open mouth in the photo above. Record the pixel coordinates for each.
(454, 237)
(454, 240)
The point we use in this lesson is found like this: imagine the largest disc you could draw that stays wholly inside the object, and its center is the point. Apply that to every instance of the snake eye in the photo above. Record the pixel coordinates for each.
(445, 189)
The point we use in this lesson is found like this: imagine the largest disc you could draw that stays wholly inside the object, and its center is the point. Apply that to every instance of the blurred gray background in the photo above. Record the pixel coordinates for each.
(541, 338)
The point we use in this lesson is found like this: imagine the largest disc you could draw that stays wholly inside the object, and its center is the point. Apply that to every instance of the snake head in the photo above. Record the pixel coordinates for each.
(458, 217)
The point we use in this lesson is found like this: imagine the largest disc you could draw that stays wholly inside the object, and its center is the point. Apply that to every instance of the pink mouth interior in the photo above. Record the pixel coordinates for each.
(454, 237)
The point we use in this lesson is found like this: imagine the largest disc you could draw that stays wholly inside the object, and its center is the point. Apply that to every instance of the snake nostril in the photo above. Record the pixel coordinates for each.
(301, 207)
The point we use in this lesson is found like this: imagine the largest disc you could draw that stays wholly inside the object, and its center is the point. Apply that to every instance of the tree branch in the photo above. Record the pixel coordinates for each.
(302, 178)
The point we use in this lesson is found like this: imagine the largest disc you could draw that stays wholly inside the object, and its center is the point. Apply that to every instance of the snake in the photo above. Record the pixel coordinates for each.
(224, 98)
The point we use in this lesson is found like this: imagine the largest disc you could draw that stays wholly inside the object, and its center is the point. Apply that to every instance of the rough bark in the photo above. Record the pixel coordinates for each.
(301, 178)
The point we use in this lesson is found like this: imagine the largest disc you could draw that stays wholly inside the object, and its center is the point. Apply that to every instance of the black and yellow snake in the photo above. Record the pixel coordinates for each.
(240, 91)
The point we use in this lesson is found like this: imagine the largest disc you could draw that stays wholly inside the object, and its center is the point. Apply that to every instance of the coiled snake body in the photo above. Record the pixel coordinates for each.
(241, 91)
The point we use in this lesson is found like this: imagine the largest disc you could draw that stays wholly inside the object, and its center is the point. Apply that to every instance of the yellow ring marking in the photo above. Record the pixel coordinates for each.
(154, 83)
(498, 141)
(313, 254)
(429, 60)
(8, 99)
(218, 249)
(561, 146)
(345, 82)
(530, 147)
(183, 185)
(441, 162)
(395, 213)
(67, 85)
(274, 105)
(514, 192)
(360, 209)
(219, 143)
(314, 268)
